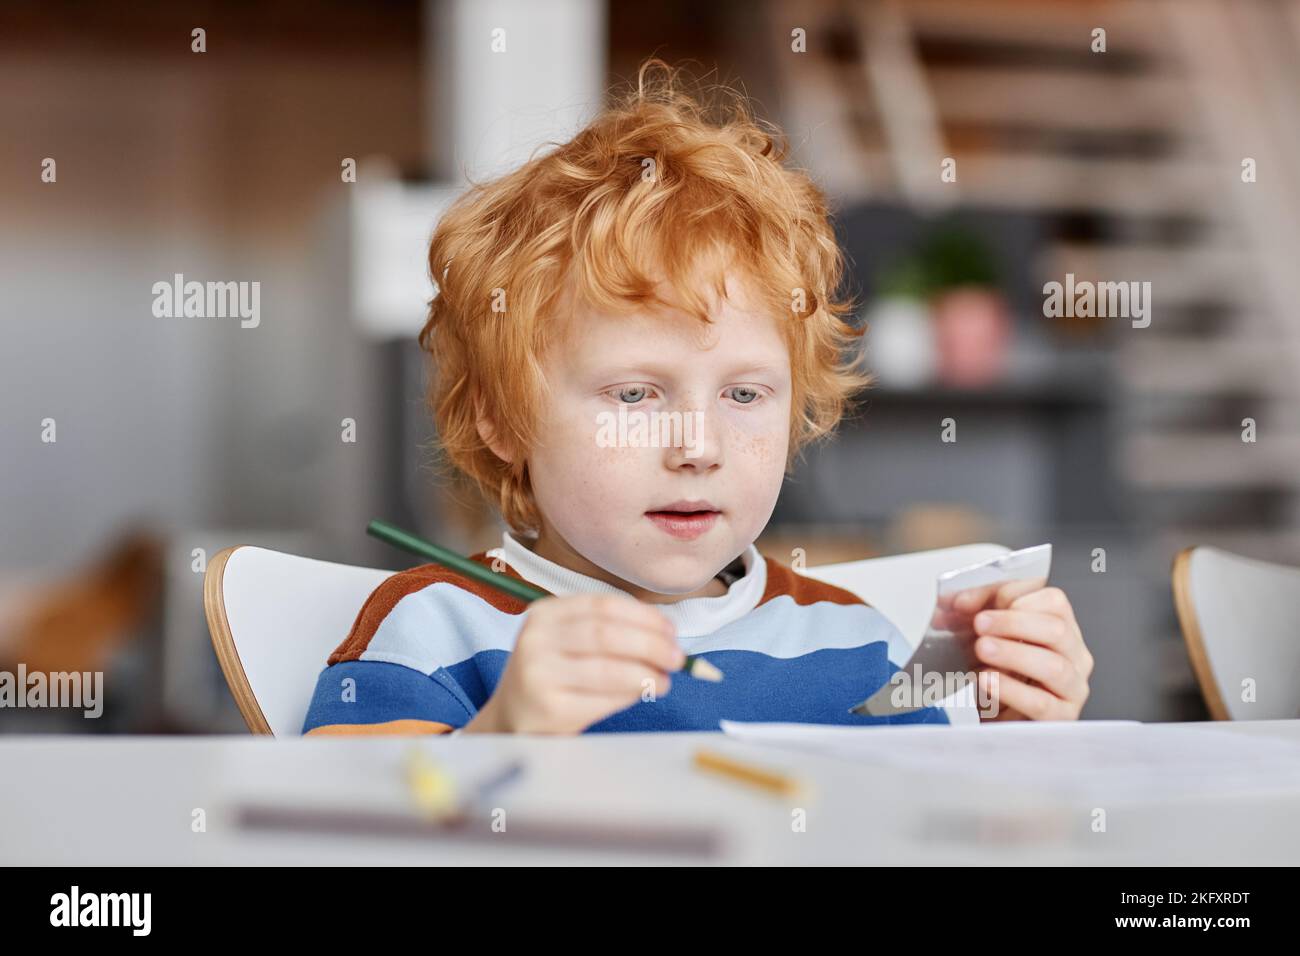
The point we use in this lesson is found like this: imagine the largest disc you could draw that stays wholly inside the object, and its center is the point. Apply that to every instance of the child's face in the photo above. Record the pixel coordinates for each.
(603, 495)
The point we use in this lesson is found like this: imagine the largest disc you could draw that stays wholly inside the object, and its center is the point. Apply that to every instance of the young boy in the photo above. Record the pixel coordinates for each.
(659, 276)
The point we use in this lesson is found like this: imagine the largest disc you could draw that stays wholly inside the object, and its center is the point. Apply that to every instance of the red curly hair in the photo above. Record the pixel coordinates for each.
(650, 190)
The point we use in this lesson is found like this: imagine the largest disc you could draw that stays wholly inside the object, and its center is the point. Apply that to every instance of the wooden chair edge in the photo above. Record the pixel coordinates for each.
(223, 643)
(1192, 636)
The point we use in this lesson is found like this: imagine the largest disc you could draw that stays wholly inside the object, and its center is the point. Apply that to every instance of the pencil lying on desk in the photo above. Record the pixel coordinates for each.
(437, 794)
(748, 773)
(697, 667)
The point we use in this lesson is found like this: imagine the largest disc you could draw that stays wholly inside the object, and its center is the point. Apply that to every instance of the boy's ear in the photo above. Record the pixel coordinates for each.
(488, 432)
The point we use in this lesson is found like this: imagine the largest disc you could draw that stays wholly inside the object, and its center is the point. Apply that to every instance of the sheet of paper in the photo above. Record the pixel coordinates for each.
(1117, 760)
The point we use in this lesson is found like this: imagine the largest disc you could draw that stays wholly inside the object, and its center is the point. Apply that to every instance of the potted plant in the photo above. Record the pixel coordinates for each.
(972, 322)
(899, 343)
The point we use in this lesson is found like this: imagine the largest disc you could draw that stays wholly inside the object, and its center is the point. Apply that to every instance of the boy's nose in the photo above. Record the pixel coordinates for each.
(699, 447)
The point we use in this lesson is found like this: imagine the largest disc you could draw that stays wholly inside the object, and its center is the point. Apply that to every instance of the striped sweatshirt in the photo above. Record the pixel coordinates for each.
(428, 648)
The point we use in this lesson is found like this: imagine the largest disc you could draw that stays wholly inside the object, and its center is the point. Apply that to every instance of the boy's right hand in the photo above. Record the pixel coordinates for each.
(577, 660)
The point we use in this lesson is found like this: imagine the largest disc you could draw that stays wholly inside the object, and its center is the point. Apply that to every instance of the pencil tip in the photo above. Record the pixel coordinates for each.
(703, 670)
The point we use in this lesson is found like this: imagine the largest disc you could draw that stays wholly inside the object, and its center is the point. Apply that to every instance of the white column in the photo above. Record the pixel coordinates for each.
(505, 76)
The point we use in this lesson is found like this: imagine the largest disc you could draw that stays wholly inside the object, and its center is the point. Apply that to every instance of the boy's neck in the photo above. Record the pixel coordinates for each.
(554, 548)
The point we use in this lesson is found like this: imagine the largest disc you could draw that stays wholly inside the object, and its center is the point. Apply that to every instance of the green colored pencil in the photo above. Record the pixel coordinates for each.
(697, 667)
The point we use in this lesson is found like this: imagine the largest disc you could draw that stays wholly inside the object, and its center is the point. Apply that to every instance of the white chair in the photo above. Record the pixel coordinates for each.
(274, 618)
(1239, 618)
(902, 586)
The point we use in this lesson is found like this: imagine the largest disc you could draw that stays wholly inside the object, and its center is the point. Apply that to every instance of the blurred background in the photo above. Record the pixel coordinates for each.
(177, 437)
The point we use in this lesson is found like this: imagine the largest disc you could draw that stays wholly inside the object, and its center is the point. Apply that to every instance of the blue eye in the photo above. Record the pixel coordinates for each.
(744, 395)
(637, 392)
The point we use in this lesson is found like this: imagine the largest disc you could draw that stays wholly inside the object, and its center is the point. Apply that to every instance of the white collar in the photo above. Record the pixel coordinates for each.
(694, 617)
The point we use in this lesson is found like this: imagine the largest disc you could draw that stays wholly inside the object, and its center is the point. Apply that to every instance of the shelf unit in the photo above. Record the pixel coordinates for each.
(1131, 160)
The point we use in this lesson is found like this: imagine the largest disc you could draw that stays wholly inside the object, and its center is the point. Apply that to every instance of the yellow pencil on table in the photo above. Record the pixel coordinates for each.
(765, 779)
(432, 790)
(696, 667)
(436, 793)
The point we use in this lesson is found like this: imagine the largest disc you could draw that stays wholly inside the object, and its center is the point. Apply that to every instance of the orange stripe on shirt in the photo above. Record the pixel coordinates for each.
(406, 725)
(392, 589)
(785, 581)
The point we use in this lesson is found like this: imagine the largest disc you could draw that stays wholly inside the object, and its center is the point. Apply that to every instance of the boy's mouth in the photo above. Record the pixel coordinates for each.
(685, 519)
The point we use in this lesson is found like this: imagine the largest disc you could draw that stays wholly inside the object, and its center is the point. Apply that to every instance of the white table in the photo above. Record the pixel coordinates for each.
(130, 800)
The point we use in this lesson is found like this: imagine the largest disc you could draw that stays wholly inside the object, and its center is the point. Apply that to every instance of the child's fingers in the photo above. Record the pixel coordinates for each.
(970, 600)
(625, 642)
(1036, 626)
(1055, 672)
(1034, 702)
(1013, 591)
(1002, 595)
(1054, 601)
(621, 680)
(1048, 627)
(1049, 600)
(612, 628)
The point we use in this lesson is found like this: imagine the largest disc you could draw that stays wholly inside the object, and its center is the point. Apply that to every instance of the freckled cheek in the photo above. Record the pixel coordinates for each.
(581, 475)
(765, 461)
(769, 450)
(763, 439)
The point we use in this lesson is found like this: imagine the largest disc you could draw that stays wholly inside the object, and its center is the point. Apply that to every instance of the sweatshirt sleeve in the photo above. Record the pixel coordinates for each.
(412, 662)
(377, 697)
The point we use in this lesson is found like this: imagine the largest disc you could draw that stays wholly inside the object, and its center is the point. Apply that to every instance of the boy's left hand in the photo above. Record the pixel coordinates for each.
(1033, 644)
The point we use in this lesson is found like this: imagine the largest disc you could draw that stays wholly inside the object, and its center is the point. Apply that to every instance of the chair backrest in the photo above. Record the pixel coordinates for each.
(274, 618)
(1239, 618)
(902, 586)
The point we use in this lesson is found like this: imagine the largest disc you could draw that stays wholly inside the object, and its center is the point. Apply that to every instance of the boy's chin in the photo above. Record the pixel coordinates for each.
(679, 576)
(676, 589)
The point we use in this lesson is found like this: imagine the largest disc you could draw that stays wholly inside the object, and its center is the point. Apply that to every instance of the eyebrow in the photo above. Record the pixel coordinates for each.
(668, 371)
